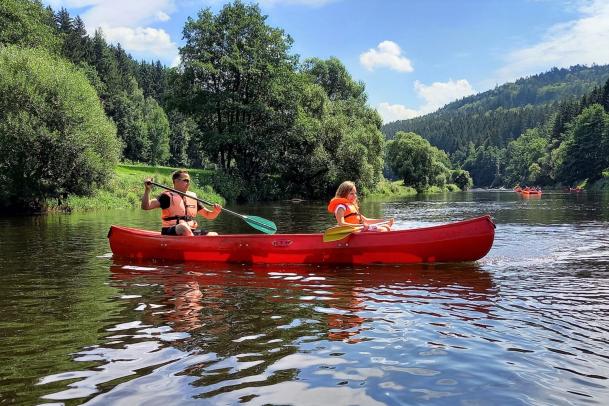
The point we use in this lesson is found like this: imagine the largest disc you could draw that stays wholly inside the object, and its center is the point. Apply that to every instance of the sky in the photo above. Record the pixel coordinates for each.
(414, 56)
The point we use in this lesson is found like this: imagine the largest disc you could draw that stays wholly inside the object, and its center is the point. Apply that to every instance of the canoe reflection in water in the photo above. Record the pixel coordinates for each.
(224, 333)
(336, 302)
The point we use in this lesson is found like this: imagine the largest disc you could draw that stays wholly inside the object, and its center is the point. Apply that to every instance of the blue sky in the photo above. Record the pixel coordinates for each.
(414, 56)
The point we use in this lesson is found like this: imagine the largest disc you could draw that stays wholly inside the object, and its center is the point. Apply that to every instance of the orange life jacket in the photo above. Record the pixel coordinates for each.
(180, 208)
(351, 216)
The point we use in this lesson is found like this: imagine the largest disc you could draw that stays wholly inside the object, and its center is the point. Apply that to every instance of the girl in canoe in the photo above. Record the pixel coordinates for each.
(345, 208)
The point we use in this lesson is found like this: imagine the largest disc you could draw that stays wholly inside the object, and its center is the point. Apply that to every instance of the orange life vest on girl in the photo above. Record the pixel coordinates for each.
(180, 208)
(351, 216)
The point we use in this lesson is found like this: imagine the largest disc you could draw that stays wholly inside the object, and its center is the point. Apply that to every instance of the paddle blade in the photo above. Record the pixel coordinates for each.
(260, 224)
(339, 232)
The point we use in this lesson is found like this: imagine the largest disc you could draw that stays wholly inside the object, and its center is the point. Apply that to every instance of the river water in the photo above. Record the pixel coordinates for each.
(527, 324)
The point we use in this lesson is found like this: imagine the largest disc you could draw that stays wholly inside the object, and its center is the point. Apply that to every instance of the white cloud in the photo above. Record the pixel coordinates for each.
(311, 3)
(436, 95)
(128, 22)
(394, 112)
(386, 54)
(439, 94)
(582, 41)
(150, 41)
(162, 16)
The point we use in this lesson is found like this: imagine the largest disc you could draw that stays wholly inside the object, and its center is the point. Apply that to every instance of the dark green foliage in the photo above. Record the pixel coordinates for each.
(461, 178)
(234, 84)
(27, 23)
(496, 117)
(524, 158)
(276, 129)
(55, 139)
(585, 152)
(182, 151)
(416, 161)
(484, 164)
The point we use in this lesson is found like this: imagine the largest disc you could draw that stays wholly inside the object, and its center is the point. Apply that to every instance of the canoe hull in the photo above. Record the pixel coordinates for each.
(467, 240)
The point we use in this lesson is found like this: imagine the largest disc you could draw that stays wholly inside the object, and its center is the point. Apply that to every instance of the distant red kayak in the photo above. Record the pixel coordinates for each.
(467, 240)
(531, 192)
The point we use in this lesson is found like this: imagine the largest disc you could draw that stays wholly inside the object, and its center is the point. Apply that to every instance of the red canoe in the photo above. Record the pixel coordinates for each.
(467, 240)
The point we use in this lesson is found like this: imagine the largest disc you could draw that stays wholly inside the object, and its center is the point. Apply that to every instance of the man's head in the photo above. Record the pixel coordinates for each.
(181, 180)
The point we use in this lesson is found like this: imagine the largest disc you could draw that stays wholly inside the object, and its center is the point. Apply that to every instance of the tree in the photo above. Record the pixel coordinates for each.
(55, 139)
(461, 178)
(416, 161)
(158, 132)
(484, 164)
(525, 154)
(236, 76)
(27, 23)
(585, 152)
(183, 129)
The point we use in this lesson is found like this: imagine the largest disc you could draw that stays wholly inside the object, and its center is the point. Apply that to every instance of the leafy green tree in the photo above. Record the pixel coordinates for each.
(183, 129)
(332, 75)
(416, 161)
(585, 152)
(236, 72)
(485, 165)
(26, 23)
(524, 154)
(334, 129)
(461, 178)
(129, 116)
(55, 139)
(157, 126)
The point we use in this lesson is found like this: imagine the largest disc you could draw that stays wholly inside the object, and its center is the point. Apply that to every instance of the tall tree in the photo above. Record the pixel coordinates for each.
(55, 139)
(235, 70)
(27, 23)
(585, 152)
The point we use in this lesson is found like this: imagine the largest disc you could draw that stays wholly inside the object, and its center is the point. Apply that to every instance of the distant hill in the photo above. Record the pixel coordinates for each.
(497, 116)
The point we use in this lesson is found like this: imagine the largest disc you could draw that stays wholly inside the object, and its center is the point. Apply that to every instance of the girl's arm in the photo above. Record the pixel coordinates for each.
(369, 222)
(340, 217)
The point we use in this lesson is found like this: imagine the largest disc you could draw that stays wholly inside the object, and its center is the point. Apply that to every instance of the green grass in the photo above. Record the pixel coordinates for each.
(387, 189)
(126, 187)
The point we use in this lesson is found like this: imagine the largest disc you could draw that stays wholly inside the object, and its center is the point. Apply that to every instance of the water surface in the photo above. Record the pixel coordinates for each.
(527, 324)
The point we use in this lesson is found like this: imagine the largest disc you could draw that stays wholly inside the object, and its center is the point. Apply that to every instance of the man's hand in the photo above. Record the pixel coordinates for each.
(148, 184)
(216, 209)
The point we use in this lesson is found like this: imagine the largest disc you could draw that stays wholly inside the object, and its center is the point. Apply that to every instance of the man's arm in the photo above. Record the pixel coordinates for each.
(210, 214)
(147, 202)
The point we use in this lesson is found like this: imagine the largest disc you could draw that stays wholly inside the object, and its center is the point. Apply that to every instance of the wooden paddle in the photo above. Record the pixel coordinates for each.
(339, 232)
(259, 223)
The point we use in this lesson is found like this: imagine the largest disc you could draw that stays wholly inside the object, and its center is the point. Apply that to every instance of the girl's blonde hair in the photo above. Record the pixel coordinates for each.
(344, 189)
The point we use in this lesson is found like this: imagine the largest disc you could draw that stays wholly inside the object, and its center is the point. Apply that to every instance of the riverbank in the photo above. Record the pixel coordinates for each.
(125, 189)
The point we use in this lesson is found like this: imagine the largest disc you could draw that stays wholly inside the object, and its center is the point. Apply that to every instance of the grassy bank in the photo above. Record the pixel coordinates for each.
(387, 189)
(127, 186)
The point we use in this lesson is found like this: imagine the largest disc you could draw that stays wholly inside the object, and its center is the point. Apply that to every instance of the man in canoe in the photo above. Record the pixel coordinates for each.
(178, 212)
(345, 208)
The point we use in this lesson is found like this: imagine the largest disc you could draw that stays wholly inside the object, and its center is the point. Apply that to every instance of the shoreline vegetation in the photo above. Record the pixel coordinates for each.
(125, 189)
(75, 110)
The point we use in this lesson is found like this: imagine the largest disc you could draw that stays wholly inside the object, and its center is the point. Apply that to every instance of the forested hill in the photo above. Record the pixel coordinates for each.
(497, 116)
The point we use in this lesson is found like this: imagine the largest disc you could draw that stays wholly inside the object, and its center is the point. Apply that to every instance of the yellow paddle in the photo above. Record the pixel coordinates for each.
(339, 232)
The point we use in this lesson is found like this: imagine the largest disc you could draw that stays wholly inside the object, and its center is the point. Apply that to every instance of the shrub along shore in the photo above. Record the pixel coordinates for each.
(125, 189)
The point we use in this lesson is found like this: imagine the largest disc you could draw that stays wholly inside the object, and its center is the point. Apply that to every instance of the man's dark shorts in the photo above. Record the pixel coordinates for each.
(172, 231)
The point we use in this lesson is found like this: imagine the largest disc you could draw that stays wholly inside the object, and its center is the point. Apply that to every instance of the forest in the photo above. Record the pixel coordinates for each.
(548, 129)
(269, 125)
